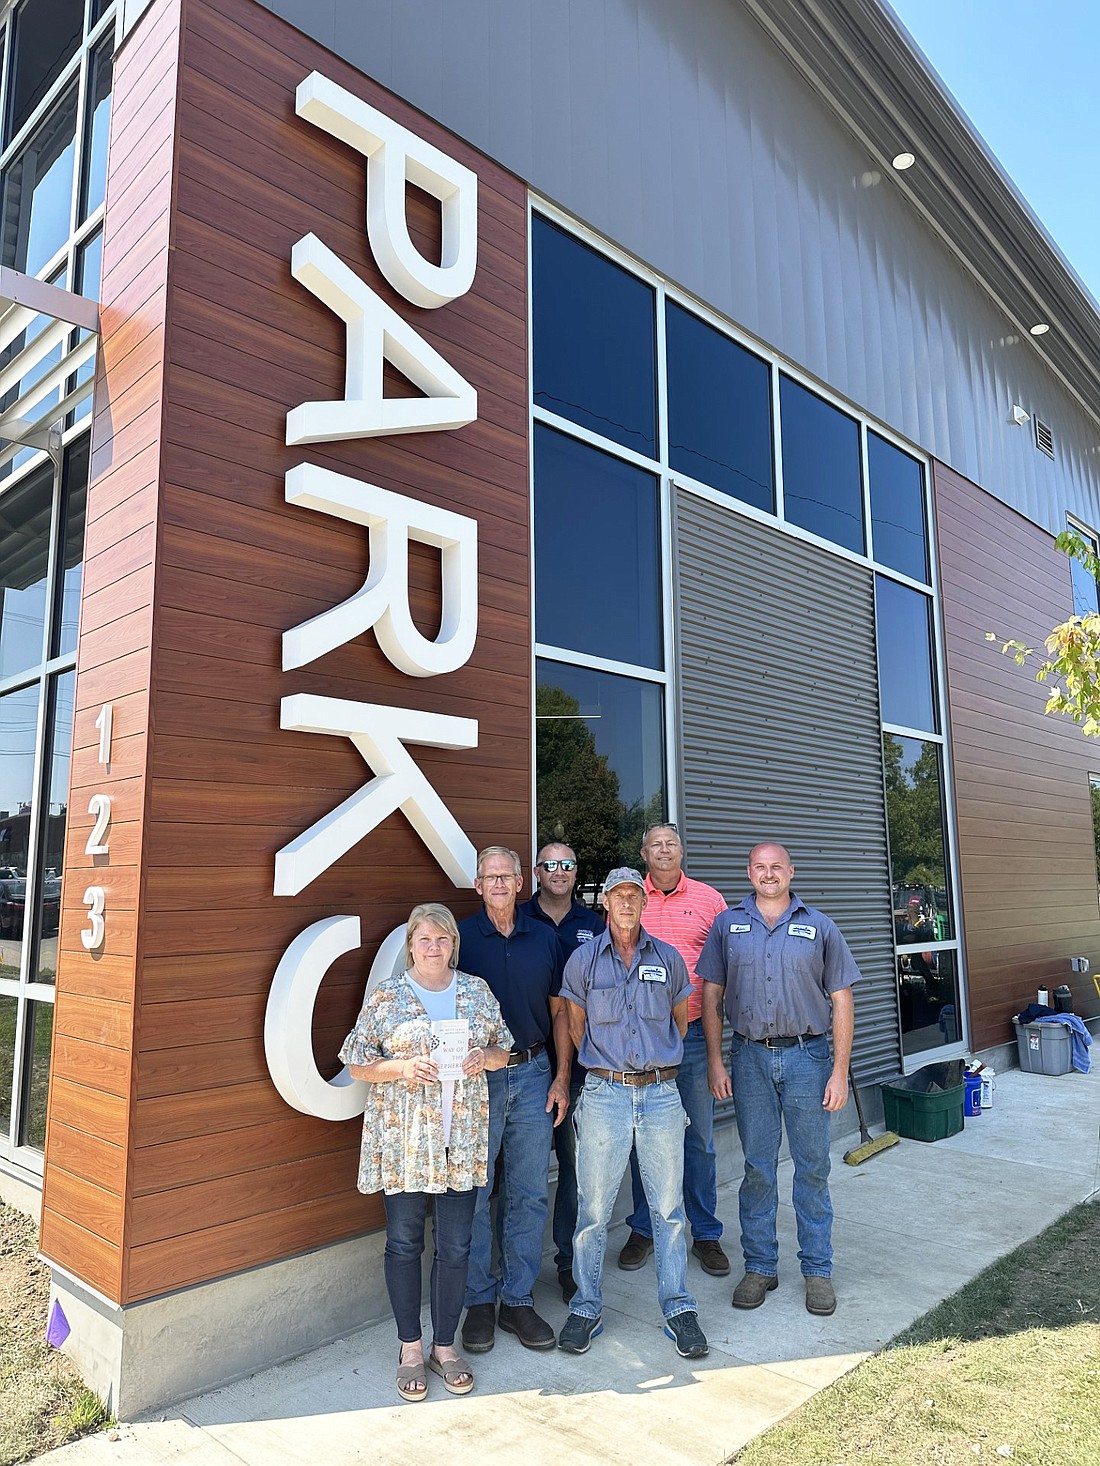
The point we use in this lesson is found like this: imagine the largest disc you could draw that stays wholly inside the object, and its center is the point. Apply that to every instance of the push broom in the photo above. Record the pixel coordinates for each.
(866, 1147)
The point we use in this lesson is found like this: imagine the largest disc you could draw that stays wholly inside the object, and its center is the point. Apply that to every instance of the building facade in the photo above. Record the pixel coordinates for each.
(506, 424)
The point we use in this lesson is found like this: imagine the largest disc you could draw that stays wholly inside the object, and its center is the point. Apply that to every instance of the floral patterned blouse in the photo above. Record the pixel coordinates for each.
(403, 1146)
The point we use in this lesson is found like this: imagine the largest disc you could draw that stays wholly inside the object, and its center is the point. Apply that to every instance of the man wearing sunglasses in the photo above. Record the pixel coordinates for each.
(681, 911)
(555, 904)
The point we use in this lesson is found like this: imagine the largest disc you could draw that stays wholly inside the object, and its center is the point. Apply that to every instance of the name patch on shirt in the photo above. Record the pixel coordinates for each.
(739, 928)
(652, 974)
(583, 935)
(797, 929)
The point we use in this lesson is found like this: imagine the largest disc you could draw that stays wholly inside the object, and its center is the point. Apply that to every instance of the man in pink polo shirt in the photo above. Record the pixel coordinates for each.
(680, 911)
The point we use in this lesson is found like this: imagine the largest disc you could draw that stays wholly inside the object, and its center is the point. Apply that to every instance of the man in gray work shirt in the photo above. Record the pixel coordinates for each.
(625, 995)
(786, 975)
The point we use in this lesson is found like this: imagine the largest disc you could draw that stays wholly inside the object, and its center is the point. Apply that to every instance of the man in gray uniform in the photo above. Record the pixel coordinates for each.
(626, 996)
(786, 974)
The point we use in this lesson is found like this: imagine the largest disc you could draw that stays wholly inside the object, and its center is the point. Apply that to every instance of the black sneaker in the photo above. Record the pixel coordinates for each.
(578, 1332)
(683, 1329)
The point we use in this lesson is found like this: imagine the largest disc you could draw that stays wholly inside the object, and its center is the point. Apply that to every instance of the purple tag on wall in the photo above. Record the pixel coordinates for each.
(57, 1329)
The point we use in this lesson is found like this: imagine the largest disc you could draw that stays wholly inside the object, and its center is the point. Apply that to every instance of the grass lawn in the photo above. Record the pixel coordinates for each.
(1007, 1369)
(43, 1401)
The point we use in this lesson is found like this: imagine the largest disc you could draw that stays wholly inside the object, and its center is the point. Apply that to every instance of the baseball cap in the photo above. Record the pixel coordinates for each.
(622, 875)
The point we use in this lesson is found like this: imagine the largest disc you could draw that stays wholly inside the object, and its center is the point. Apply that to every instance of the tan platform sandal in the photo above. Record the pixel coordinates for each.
(451, 1371)
(412, 1380)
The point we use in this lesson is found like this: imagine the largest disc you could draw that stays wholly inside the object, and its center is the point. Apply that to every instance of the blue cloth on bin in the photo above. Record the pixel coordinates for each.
(1079, 1034)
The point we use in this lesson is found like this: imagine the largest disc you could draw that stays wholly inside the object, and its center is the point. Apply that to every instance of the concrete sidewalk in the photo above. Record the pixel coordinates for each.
(912, 1225)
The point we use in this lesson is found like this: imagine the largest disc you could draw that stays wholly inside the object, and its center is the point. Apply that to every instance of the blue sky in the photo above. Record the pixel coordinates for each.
(1027, 76)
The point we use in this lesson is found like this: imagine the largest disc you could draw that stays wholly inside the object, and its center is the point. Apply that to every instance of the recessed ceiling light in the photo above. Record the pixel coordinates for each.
(1040, 328)
(903, 161)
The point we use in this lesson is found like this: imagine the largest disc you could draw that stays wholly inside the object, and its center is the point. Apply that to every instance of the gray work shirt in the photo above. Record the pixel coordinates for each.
(777, 979)
(628, 1014)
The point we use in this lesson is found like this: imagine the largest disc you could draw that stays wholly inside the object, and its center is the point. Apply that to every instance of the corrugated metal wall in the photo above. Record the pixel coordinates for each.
(679, 130)
(781, 735)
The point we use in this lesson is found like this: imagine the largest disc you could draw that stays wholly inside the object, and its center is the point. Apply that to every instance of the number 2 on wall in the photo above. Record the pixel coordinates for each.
(92, 935)
(100, 806)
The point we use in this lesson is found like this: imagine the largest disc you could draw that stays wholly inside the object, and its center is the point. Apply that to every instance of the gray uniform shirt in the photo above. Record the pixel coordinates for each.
(628, 1014)
(777, 979)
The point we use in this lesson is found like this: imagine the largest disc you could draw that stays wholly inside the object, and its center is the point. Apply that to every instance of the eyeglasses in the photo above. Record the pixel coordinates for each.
(552, 865)
(497, 880)
(661, 825)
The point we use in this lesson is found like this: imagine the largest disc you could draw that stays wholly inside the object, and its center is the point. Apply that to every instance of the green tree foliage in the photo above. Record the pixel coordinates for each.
(1072, 658)
(578, 792)
(914, 815)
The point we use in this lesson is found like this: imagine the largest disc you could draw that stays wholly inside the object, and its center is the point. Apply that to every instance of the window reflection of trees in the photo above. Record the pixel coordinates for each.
(579, 795)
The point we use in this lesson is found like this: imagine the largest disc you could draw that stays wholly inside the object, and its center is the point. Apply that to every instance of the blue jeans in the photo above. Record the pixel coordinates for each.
(452, 1216)
(700, 1177)
(518, 1124)
(610, 1118)
(565, 1201)
(770, 1084)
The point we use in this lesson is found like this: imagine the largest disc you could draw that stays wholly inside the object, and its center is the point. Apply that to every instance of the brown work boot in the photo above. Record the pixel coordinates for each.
(753, 1289)
(820, 1297)
(636, 1249)
(711, 1257)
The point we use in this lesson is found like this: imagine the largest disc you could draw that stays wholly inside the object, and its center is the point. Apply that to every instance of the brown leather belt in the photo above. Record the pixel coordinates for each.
(520, 1056)
(634, 1078)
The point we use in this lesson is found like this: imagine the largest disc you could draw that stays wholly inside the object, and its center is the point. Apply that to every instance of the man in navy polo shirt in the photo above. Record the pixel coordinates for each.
(627, 996)
(521, 961)
(554, 904)
(786, 974)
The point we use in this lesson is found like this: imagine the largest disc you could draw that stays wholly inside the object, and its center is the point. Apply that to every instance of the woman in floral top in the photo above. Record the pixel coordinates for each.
(423, 1136)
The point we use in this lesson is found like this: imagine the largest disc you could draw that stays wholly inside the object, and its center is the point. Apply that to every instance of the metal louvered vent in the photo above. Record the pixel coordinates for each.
(1044, 438)
(781, 736)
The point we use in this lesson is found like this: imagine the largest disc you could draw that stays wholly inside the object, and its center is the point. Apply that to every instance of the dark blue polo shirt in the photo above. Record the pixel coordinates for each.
(523, 970)
(578, 926)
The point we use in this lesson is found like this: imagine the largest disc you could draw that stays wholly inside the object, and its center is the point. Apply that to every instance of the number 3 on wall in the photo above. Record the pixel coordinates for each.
(92, 935)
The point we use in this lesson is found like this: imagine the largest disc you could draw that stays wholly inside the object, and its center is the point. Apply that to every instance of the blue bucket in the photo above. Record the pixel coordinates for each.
(972, 1099)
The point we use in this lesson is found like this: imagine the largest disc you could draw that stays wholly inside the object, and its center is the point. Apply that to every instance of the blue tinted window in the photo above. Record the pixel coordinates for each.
(1085, 600)
(95, 142)
(594, 340)
(599, 763)
(821, 480)
(38, 191)
(906, 669)
(897, 509)
(597, 571)
(918, 847)
(719, 411)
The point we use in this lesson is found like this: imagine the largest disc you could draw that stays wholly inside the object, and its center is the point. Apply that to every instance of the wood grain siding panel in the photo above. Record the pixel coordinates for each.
(88, 1135)
(235, 568)
(1025, 838)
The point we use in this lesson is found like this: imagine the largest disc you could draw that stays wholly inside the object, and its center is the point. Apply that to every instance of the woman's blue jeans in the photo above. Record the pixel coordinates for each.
(770, 1087)
(452, 1219)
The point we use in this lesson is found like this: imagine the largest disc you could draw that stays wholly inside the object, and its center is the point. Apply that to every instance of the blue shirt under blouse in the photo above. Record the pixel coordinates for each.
(628, 1013)
(522, 969)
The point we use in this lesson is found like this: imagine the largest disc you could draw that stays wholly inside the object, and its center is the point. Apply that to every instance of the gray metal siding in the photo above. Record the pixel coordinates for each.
(679, 130)
(781, 735)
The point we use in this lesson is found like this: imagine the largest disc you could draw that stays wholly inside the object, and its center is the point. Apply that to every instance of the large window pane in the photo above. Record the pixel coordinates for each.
(928, 1001)
(600, 764)
(1085, 601)
(918, 845)
(40, 1035)
(47, 35)
(75, 485)
(94, 187)
(719, 411)
(597, 553)
(9, 1014)
(906, 668)
(18, 726)
(594, 340)
(38, 191)
(822, 488)
(24, 560)
(898, 529)
(57, 805)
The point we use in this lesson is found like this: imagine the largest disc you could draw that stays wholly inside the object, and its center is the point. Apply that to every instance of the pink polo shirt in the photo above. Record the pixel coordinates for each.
(683, 917)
